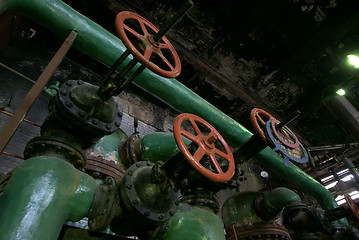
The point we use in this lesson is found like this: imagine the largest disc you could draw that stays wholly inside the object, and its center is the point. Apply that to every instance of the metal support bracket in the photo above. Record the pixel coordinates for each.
(12, 125)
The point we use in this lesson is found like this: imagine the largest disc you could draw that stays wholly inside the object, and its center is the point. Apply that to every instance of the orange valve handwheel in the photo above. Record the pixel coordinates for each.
(205, 146)
(170, 67)
(353, 207)
(258, 122)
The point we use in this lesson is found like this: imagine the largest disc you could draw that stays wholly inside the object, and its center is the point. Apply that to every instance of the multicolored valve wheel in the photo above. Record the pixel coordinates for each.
(144, 48)
(299, 154)
(205, 147)
(284, 135)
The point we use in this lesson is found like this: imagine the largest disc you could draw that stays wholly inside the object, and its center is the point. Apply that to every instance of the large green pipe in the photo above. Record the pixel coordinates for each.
(42, 194)
(106, 48)
(279, 198)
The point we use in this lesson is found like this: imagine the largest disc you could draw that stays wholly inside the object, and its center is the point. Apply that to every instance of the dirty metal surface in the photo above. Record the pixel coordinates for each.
(101, 168)
(8, 131)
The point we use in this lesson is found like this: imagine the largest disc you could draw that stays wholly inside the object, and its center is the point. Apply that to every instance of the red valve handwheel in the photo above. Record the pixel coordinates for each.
(205, 144)
(280, 137)
(257, 122)
(150, 47)
(353, 207)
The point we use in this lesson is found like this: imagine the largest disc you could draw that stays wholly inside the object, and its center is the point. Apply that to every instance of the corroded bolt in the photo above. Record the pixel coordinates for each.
(212, 139)
(135, 201)
(138, 164)
(69, 104)
(79, 82)
(78, 163)
(108, 126)
(172, 213)
(117, 124)
(147, 213)
(130, 173)
(177, 203)
(129, 186)
(108, 181)
(160, 216)
(82, 114)
(94, 121)
(119, 114)
(43, 145)
(63, 92)
(148, 163)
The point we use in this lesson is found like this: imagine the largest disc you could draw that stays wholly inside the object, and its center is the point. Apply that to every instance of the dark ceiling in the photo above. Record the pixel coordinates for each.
(278, 55)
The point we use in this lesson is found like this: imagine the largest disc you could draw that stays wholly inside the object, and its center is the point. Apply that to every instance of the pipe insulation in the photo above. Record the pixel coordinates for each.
(106, 48)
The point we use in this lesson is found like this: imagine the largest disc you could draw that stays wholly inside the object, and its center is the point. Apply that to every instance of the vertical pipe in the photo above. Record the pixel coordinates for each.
(351, 168)
(41, 195)
(346, 113)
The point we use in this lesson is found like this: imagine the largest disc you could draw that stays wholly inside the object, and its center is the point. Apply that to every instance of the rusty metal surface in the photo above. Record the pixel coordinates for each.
(259, 231)
(12, 125)
(101, 168)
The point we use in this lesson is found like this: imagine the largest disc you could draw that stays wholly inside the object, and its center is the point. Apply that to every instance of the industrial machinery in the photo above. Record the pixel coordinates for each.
(162, 185)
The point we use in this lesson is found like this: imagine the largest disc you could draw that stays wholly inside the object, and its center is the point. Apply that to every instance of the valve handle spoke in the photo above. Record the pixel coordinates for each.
(143, 27)
(215, 163)
(189, 135)
(195, 127)
(164, 59)
(136, 34)
(148, 52)
(199, 154)
(221, 154)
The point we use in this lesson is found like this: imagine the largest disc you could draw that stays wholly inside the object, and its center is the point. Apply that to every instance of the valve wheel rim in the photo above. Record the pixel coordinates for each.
(150, 48)
(257, 120)
(353, 207)
(205, 147)
(286, 156)
(288, 133)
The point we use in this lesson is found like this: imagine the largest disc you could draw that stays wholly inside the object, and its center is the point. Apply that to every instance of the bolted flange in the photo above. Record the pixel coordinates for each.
(145, 204)
(52, 146)
(79, 108)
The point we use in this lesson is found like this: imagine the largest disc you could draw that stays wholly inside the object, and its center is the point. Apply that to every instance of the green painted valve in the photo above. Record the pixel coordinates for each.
(193, 223)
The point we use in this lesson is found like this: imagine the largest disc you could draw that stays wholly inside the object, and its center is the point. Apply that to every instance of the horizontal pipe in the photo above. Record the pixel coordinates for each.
(106, 48)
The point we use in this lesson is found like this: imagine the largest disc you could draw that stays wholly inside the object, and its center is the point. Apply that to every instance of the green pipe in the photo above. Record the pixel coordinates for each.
(106, 48)
(108, 145)
(42, 194)
(193, 223)
(159, 146)
(279, 198)
(239, 208)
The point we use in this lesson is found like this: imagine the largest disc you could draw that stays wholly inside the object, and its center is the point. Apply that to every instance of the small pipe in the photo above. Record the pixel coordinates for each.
(12, 155)
(17, 73)
(172, 22)
(25, 120)
(104, 80)
(351, 168)
(332, 147)
(288, 119)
